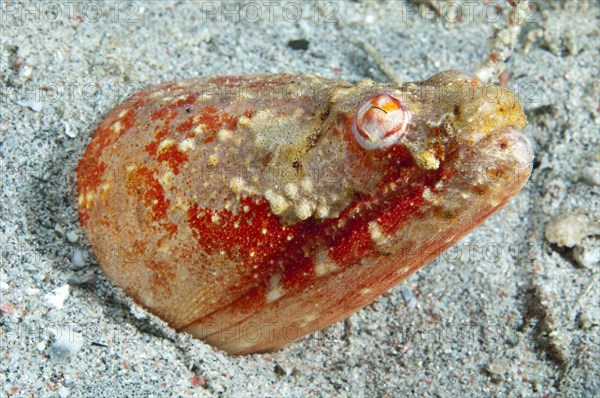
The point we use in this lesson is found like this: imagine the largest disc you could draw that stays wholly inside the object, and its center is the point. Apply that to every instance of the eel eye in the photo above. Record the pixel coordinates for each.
(380, 122)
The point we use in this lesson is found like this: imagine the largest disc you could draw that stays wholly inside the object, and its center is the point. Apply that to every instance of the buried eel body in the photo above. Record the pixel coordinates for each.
(249, 211)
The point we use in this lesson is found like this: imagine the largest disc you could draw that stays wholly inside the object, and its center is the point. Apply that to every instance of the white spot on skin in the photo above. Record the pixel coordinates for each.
(431, 197)
(117, 127)
(277, 202)
(308, 319)
(89, 199)
(376, 234)
(147, 298)
(365, 291)
(80, 199)
(322, 211)
(164, 144)
(276, 290)
(323, 265)
(105, 188)
(123, 113)
(186, 145)
(325, 268)
(224, 135)
(198, 129)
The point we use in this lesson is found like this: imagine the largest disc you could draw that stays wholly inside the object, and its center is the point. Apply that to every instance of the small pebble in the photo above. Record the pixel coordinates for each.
(58, 297)
(86, 277)
(31, 291)
(299, 44)
(67, 343)
(33, 105)
(63, 392)
(584, 320)
(591, 175)
(406, 295)
(587, 254)
(3, 286)
(59, 230)
(41, 346)
(78, 259)
(497, 366)
(72, 236)
(569, 229)
(68, 132)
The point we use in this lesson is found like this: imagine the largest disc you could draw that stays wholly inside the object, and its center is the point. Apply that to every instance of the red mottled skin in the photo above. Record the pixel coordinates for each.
(242, 209)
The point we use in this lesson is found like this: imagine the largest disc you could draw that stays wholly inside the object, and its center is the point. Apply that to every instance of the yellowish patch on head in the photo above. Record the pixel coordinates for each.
(213, 160)
(180, 205)
(130, 168)
(166, 179)
(243, 120)
(277, 202)
(303, 209)
(307, 185)
(237, 184)
(291, 190)
(429, 161)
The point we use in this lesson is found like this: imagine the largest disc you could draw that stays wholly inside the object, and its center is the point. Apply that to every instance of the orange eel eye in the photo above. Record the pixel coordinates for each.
(380, 122)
